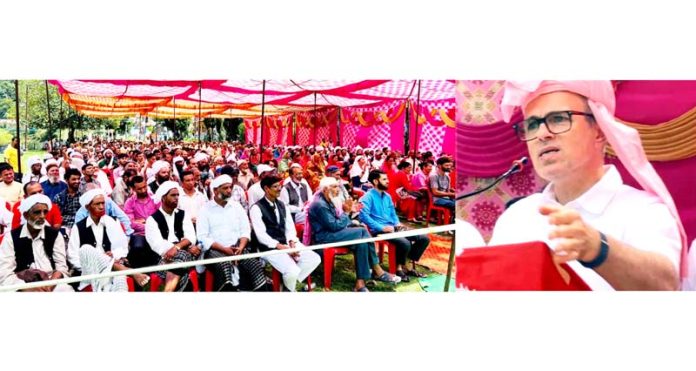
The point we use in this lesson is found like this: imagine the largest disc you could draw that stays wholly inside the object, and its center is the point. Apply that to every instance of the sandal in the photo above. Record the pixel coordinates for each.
(403, 276)
(388, 278)
(415, 273)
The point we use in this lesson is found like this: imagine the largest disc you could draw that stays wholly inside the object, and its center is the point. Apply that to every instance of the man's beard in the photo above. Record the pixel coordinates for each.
(54, 179)
(224, 197)
(161, 180)
(36, 224)
(382, 187)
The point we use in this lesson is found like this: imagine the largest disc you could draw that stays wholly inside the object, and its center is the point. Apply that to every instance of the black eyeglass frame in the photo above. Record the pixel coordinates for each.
(518, 127)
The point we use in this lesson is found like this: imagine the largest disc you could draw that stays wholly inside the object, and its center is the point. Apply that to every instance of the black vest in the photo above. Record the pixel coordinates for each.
(293, 198)
(158, 216)
(87, 235)
(275, 229)
(24, 252)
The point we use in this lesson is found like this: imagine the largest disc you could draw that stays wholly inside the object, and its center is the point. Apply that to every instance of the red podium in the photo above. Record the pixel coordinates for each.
(518, 267)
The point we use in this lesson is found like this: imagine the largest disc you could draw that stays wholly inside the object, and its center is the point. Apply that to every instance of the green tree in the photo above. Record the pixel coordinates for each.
(176, 126)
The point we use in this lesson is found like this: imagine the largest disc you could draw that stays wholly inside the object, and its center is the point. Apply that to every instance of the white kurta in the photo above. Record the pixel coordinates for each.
(629, 215)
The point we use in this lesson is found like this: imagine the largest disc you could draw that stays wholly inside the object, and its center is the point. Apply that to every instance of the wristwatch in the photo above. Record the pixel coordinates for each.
(601, 257)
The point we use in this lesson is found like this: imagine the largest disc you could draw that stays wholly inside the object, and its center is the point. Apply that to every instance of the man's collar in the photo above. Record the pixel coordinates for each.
(596, 199)
(90, 222)
(25, 232)
(176, 210)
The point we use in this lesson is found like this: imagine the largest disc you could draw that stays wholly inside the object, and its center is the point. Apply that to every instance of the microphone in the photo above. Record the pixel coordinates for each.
(516, 167)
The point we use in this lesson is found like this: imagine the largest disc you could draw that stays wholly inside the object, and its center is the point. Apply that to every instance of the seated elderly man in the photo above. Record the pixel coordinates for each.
(112, 210)
(615, 237)
(98, 244)
(170, 234)
(329, 225)
(379, 215)
(53, 185)
(223, 229)
(34, 251)
(295, 194)
(275, 230)
(163, 173)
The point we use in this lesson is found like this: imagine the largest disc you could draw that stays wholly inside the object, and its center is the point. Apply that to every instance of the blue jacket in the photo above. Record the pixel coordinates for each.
(378, 211)
(323, 220)
(51, 190)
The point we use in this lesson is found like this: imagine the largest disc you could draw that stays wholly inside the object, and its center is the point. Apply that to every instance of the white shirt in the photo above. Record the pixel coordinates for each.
(29, 177)
(104, 182)
(467, 236)
(632, 216)
(224, 225)
(8, 261)
(245, 179)
(153, 235)
(260, 228)
(255, 193)
(119, 241)
(192, 205)
(285, 197)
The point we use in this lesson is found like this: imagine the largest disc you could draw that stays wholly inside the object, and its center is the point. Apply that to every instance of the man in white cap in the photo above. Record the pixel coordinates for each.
(295, 193)
(163, 173)
(255, 192)
(245, 175)
(170, 234)
(35, 172)
(223, 229)
(34, 251)
(98, 244)
(612, 235)
(274, 229)
(108, 160)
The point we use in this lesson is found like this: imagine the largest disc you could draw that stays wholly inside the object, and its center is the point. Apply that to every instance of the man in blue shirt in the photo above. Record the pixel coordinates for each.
(380, 217)
(53, 185)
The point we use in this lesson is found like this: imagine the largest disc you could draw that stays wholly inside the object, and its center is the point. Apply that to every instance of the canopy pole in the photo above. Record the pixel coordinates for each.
(19, 153)
(338, 128)
(415, 149)
(294, 129)
(263, 116)
(26, 110)
(50, 123)
(314, 114)
(200, 97)
(60, 123)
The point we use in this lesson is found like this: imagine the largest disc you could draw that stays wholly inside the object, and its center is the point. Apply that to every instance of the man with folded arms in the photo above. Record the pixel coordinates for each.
(170, 234)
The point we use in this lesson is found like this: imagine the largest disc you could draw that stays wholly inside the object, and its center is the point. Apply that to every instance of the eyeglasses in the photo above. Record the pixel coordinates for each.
(557, 122)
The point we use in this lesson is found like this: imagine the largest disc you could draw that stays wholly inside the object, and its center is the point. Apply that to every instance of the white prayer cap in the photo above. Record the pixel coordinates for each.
(295, 164)
(222, 179)
(33, 160)
(77, 163)
(200, 156)
(164, 188)
(327, 181)
(32, 200)
(47, 156)
(357, 147)
(109, 151)
(263, 168)
(319, 148)
(88, 196)
(76, 154)
(159, 165)
(50, 163)
(177, 159)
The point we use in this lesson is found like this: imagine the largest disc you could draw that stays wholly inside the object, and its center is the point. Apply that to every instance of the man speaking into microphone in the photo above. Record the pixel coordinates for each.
(613, 236)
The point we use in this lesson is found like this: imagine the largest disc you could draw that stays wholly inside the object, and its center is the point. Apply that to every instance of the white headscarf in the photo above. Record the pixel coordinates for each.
(88, 196)
(222, 179)
(164, 188)
(32, 200)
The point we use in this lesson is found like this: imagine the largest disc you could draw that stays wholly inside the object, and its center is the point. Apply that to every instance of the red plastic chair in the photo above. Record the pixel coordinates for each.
(391, 250)
(209, 280)
(443, 214)
(156, 281)
(329, 255)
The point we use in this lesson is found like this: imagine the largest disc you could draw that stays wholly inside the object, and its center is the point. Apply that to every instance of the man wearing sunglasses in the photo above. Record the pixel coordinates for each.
(612, 235)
